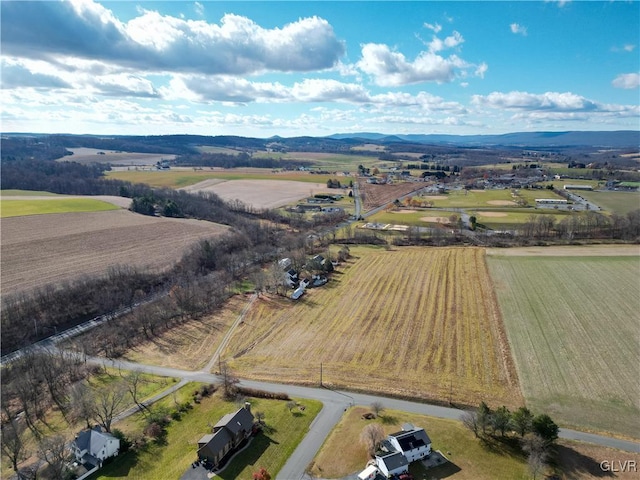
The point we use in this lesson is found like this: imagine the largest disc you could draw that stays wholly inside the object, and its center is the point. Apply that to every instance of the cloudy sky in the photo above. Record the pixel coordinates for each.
(317, 68)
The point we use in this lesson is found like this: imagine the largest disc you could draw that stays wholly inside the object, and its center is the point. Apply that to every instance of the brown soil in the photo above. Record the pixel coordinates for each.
(42, 249)
(378, 195)
(435, 219)
(502, 203)
(261, 193)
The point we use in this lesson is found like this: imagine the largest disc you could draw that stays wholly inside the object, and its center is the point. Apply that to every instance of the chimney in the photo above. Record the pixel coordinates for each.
(247, 406)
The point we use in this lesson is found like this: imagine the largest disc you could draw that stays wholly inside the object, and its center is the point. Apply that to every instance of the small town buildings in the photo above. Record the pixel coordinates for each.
(92, 447)
(228, 434)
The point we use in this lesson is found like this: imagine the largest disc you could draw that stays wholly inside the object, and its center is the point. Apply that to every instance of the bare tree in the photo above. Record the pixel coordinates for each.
(12, 442)
(132, 383)
(291, 405)
(377, 408)
(107, 404)
(53, 450)
(371, 436)
(537, 449)
(81, 403)
(470, 420)
(229, 382)
(260, 417)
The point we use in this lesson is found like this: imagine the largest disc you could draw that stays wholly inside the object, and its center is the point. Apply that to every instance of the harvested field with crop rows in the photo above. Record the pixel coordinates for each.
(572, 323)
(42, 249)
(412, 321)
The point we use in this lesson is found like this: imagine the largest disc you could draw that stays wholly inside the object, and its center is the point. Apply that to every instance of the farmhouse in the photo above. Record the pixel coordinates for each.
(228, 434)
(412, 442)
(92, 447)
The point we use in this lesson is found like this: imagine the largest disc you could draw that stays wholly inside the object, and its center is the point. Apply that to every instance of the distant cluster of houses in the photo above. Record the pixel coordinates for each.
(397, 451)
(292, 279)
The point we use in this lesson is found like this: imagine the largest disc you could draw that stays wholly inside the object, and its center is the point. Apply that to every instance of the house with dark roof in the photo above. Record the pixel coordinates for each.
(92, 447)
(412, 442)
(230, 431)
(393, 463)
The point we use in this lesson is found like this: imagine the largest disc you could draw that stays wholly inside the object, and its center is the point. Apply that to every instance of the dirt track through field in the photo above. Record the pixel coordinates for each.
(43, 249)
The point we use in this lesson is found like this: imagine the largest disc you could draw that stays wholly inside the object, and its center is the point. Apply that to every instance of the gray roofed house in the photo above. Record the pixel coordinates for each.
(228, 434)
(412, 442)
(392, 463)
(92, 447)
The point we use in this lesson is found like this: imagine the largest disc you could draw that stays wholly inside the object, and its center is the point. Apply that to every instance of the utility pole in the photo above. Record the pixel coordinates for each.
(320, 373)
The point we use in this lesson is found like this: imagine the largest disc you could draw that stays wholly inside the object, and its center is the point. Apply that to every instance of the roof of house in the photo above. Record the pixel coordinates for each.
(240, 420)
(216, 443)
(394, 460)
(412, 439)
(93, 440)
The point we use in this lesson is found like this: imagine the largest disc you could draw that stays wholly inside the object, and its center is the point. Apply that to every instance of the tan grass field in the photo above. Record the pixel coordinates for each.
(568, 251)
(261, 193)
(342, 454)
(419, 322)
(192, 345)
(43, 249)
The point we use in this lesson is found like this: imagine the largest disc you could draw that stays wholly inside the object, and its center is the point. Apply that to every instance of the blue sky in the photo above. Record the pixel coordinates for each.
(317, 68)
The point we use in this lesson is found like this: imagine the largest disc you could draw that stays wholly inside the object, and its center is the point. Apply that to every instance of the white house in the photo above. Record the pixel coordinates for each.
(92, 447)
(394, 463)
(412, 442)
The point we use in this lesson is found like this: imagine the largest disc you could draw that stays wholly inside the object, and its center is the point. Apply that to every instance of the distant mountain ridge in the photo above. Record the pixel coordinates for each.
(616, 139)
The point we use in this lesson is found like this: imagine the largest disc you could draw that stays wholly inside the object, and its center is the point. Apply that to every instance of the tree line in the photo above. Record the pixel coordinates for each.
(241, 159)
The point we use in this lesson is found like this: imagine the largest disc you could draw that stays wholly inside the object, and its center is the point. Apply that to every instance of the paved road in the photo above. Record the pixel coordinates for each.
(334, 405)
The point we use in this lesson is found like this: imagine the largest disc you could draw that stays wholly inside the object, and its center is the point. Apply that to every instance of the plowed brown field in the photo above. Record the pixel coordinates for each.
(377, 195)
(43, 249)
(413, 321)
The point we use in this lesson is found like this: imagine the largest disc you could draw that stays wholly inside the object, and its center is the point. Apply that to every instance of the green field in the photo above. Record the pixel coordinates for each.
(25, 193)
(489, 198)
(184, 178)
(412, 218)
(614, 202)
(171, 457)
(18, 208)
(572, 323)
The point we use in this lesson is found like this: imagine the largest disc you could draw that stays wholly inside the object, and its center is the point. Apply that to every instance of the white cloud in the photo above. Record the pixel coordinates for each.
(435, 27)
(199, 8)
(390, 68)
(159, 43)
(627, 80)
(518, 29)
(566, 101)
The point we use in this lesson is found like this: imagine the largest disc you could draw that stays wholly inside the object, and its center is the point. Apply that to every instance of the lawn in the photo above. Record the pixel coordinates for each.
(417, 218)
(342, 454)
(25, 193)
(614, 202)
(172, 456)
(572, 323)
(18, 208)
